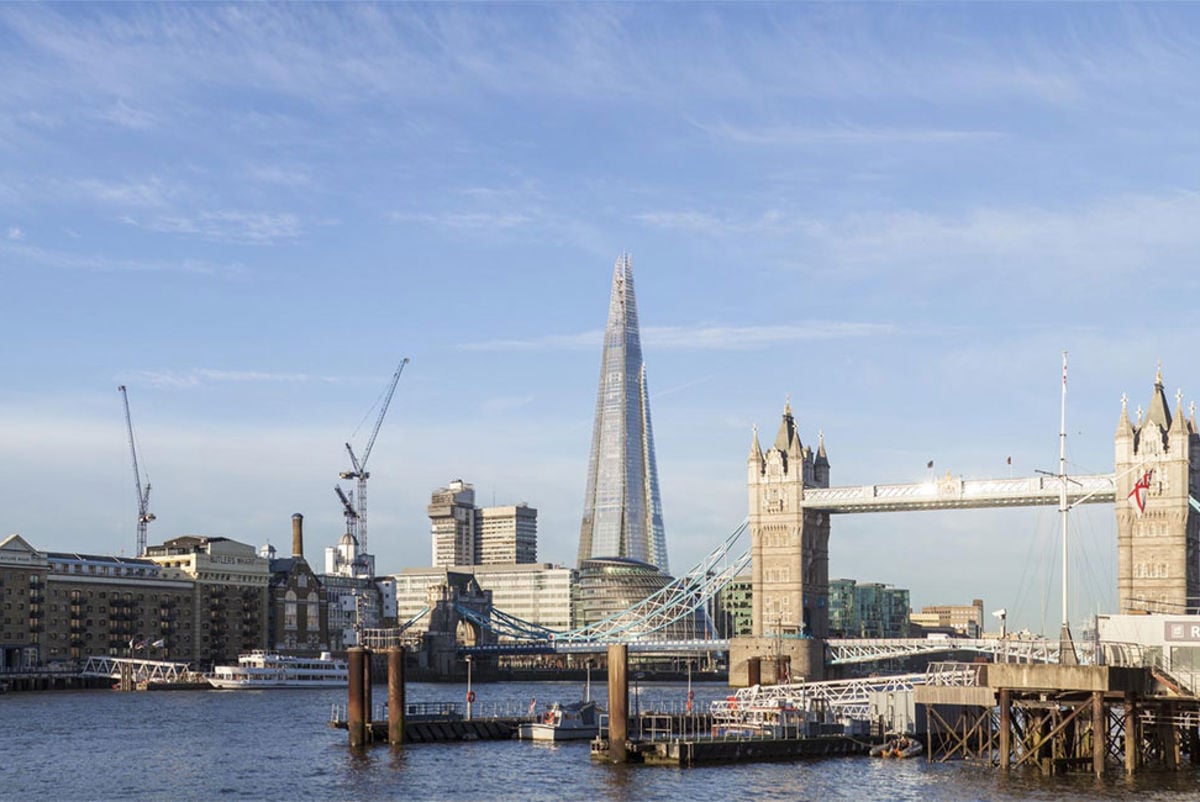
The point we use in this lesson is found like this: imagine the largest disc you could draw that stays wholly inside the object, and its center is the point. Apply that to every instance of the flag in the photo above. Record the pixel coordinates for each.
(532, 705)
(131, 642)
(1137, 496)
(929, 464)
(158, 644)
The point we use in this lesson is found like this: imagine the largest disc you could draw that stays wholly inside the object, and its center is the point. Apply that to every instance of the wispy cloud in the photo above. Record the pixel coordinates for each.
(501, 404)
(124, 115)
(699, 338)
(15, 233)
(471, 221)
(146, 194)
(281, 176)
(29, 255)
(255, 228)
(769, 221)
(207, 376)
(789, 135)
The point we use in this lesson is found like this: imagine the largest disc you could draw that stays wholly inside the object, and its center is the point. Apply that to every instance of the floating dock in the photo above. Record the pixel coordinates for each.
(686, 752)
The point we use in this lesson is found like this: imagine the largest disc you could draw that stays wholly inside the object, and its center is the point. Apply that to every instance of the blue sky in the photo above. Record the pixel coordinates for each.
(899, 215)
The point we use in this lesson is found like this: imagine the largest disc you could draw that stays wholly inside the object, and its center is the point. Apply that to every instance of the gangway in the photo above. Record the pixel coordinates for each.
(140, 670)
(847, 651)
(844, 698)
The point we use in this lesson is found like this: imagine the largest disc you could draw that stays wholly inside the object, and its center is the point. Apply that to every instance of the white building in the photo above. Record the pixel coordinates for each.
(506, 535)
(539, 593)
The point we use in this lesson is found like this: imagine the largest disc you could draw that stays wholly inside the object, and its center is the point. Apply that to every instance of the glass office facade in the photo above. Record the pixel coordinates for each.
(622, 514)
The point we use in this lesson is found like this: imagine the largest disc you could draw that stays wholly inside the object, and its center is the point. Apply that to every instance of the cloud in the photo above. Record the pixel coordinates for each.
(699, 338)
(254, 228)
(280, 176)
(770, 221)
(501, 404)
(207, 376)
(789, 135)
(126, 116)
(150, 193)
(63, 260)
(466, 221)
(15, 233)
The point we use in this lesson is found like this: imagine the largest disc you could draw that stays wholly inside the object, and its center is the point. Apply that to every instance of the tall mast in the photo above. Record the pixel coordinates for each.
(1066, 653)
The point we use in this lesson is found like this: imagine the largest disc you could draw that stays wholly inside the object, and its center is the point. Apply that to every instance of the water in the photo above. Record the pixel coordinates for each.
(205, 745)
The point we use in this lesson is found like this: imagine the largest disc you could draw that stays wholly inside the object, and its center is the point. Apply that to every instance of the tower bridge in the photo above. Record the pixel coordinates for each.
(953, 493)
(1153, 487)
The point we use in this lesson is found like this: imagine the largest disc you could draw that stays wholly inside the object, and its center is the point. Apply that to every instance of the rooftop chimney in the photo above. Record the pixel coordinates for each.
(298, 535)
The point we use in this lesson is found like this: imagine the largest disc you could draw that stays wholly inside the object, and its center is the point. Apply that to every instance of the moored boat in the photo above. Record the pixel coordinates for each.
(570, 722)
(900, 746)
(260, 669)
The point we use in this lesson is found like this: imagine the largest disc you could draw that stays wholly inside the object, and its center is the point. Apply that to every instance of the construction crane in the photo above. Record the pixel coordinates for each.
(143, 495)
(348, 510)
(359, 467)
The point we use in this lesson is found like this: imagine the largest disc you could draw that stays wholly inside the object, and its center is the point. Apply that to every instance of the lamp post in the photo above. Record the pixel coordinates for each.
(470, 693)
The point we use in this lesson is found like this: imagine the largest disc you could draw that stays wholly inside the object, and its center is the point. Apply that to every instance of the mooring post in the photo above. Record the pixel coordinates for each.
(618, 701)
(1005, 729)
(753, 671)
(396, 694)
(355, 718)
(368, 681)
(1099, 733)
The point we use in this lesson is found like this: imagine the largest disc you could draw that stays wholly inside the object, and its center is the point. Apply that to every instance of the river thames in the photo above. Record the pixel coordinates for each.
(204, 745)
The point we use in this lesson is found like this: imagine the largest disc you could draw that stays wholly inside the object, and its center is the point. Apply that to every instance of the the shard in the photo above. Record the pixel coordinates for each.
(622, 509)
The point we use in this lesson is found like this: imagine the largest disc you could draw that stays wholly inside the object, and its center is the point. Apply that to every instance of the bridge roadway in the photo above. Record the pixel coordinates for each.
(953, 493)
(839, 651)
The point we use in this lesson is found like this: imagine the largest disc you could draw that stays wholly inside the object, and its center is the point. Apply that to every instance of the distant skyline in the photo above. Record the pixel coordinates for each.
(899, 215)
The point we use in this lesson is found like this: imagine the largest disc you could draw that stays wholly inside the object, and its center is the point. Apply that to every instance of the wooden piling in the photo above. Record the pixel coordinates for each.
(1133, 735)
(1005, 729)
(618, 701)
(368, 682)
(396, 695)
(356, 719)
(1099, 733)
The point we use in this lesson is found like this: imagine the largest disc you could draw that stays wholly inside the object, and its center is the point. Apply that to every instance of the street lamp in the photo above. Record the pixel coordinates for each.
(470, 693)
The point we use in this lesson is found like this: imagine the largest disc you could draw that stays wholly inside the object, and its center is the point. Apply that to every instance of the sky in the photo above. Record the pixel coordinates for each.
(898, 216)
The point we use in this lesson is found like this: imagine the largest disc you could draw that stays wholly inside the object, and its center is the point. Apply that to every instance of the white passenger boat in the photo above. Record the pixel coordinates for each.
(571, 722)
(260, 669)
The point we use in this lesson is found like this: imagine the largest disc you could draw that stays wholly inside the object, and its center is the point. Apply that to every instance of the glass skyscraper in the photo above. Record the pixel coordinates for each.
(622, 509)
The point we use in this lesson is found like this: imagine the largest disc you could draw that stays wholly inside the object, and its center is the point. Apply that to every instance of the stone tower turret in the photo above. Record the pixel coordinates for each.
(1158, 532)
(789, 545)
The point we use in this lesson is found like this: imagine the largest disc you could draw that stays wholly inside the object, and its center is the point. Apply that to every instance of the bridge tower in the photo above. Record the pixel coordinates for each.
(1158, 532)
(789, 557)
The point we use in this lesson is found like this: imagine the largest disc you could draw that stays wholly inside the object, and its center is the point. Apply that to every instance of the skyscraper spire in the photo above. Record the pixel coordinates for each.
(622, 510)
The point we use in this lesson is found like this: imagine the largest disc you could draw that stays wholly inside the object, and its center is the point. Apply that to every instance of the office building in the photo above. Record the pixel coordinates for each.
(622, 512)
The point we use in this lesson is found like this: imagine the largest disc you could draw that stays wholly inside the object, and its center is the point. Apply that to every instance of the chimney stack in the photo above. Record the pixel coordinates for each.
(298, 535)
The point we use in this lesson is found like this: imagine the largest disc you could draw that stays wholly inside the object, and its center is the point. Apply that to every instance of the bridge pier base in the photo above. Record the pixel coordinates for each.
(779, 660)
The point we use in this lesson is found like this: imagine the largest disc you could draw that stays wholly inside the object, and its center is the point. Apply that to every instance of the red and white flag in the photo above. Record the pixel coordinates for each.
(1137, 496)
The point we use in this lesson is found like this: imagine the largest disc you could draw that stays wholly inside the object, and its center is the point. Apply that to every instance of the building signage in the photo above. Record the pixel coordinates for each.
(1182, 630)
